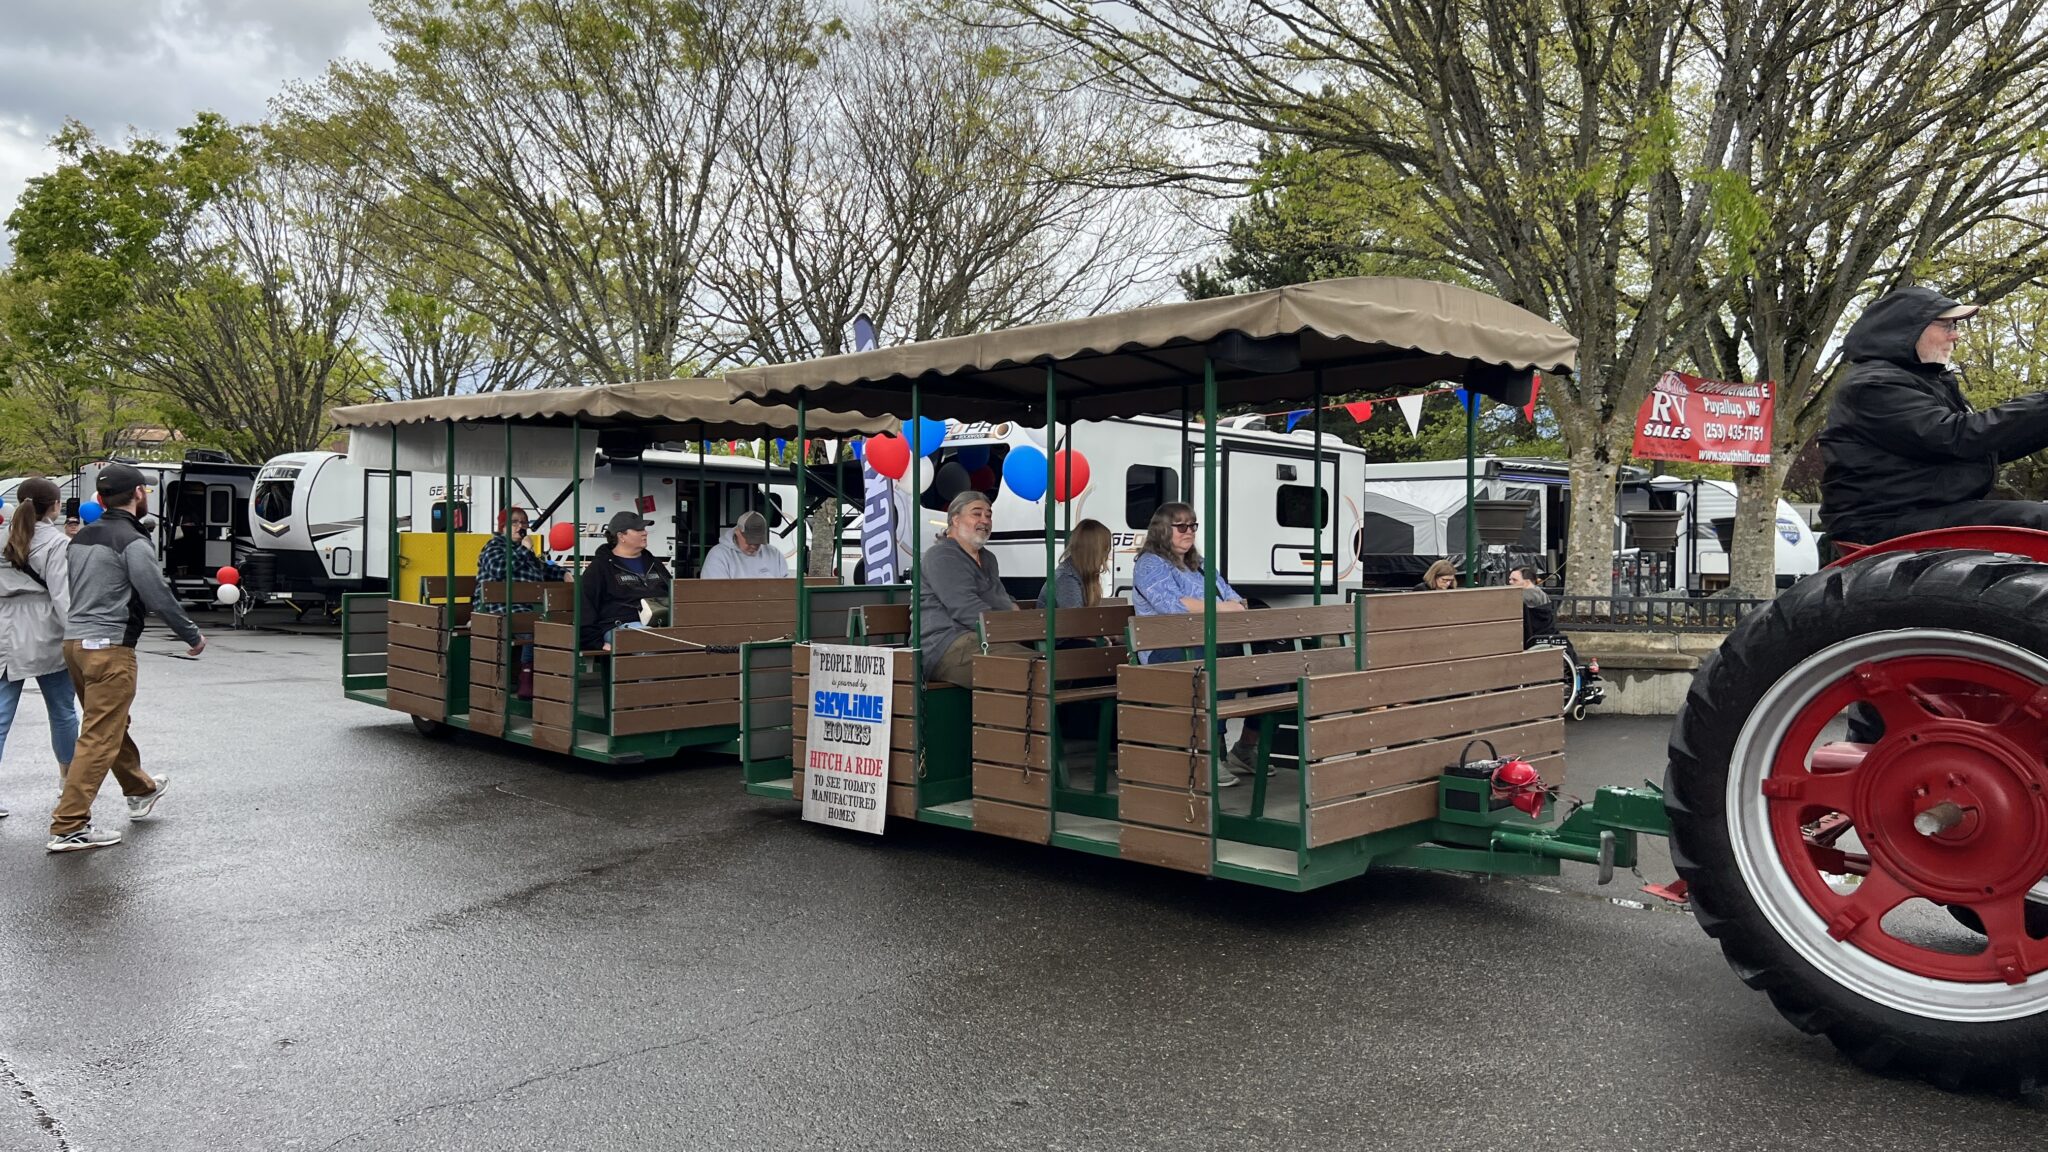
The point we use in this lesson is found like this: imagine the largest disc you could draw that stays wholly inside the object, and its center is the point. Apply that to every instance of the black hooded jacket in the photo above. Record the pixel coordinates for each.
(1900, 438)
(611, 593)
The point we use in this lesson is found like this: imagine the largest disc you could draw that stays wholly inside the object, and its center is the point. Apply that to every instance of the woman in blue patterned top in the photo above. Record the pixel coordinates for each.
(1168, 581)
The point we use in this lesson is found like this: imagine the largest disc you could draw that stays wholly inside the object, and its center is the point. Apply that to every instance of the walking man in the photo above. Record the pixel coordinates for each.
(114, 582)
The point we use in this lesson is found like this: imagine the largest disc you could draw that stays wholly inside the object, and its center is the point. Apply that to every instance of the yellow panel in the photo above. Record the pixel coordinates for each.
(426, 554)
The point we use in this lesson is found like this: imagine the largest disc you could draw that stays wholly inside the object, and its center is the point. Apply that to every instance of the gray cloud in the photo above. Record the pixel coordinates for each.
(152, 65)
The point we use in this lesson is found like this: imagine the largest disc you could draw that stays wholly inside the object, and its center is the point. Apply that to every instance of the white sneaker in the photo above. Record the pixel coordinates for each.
(139, 807)
(4, 813)
(1226, 780)
(86, 837)
(1240, 764)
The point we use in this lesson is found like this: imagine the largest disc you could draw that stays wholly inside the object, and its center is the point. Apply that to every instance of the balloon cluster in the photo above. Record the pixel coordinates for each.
(230, 590)
(1026, 471)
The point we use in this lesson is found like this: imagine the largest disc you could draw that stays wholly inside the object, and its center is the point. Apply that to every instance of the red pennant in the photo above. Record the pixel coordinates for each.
(1361, 410)
(1529, 409)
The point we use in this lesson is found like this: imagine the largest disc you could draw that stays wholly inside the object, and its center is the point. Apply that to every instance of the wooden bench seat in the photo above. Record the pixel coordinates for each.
(1027, 748)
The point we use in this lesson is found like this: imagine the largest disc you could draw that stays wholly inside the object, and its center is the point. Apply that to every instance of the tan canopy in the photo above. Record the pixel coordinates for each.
(667, 409)
(1360, 334)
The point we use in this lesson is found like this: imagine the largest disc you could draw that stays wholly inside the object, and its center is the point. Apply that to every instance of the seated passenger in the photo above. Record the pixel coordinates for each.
(961, 581)
(745, 555)
(1538, 617)
(1168, 581)
(617, 580)
(506, 556)
(1077, 581)
(1442, 576)
(1902, 451)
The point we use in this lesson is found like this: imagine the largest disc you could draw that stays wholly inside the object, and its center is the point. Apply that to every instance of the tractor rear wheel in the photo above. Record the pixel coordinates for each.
(1842, 878)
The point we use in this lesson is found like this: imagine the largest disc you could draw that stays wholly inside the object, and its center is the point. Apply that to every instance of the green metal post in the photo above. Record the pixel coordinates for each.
(916, 575)
(697, 554)
(506, 647)
(803, 551)
(448, 534)
(1209, 563)
(1471, 522)
(1186, 468)
(1316, 519)
(391, 527)
(576, 565)
(1052, 600)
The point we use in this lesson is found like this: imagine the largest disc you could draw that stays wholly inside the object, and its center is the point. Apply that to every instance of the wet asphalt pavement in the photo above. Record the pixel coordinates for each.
(339, 935)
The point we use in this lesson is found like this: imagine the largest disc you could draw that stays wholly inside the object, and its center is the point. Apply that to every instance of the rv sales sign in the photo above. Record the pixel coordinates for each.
(1710, 421)
(846, 747)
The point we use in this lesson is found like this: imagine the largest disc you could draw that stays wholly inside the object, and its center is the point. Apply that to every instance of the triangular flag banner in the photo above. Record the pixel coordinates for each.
(1361, 410)
(1468, 399)
(1529, 409)
(1411, 410)
(1295, 417)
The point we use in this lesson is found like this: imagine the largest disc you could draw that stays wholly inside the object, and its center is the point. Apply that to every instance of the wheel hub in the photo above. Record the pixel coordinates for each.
(1955, 812)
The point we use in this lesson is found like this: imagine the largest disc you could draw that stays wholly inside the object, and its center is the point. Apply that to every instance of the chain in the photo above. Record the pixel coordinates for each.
(1030, 715)
(1195, 719)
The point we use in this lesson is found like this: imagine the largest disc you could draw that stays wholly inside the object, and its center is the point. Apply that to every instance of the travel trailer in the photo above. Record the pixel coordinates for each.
(1265, 488)
(322, 521)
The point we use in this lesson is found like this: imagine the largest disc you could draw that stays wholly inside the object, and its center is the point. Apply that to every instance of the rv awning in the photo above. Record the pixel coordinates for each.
(665, 409)
(1361, 334)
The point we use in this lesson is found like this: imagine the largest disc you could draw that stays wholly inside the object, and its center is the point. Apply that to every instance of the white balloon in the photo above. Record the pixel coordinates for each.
(228, 594)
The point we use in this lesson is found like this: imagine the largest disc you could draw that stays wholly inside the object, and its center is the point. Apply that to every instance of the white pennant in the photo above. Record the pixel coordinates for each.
(1411, 409)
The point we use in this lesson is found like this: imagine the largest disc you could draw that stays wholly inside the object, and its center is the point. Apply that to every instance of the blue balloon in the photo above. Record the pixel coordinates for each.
(1025, 471)
(926, 437)
(89, 512)
(974, 457)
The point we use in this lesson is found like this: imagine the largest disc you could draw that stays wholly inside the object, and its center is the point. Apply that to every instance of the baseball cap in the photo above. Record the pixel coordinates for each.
(753, 528)
(1957, 312)
(628, 521)
(119, 480)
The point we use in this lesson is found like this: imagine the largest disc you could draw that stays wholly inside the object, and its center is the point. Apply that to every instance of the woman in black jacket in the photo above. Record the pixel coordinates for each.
(617, 579)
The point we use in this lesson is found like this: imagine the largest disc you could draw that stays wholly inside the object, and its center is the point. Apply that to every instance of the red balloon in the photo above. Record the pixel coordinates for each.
(889, 456)
(228, 576)
(1068, 484)
(561, 536)
(982, 479)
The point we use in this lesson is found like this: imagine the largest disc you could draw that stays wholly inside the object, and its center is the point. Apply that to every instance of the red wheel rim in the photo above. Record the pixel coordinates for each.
(1951, 806)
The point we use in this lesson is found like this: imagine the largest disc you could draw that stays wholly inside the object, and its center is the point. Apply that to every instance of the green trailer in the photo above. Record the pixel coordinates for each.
(447, 651)
(1411, 730)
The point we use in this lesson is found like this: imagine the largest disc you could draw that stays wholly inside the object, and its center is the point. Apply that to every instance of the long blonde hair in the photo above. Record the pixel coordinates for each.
(35, 500)
(1440, 568)
(1088, 552)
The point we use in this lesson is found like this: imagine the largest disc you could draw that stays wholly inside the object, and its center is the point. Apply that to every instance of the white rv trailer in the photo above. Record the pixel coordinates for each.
(1265, 486)
(322, 522)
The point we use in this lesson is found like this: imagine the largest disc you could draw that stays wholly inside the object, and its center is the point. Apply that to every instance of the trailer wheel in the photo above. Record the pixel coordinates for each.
(431, 729)
(1815, 862)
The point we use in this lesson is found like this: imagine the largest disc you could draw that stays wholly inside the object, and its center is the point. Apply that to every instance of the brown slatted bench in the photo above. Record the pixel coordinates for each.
(1012, 735)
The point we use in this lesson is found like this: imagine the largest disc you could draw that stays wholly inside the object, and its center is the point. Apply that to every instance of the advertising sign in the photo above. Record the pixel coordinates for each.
(1709, 421)
(846, 746)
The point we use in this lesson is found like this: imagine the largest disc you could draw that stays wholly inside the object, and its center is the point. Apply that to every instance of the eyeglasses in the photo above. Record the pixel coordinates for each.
(1949, 326)
(1190, 526)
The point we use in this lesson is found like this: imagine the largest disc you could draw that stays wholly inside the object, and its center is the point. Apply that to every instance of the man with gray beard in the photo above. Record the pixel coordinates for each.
(961, 581)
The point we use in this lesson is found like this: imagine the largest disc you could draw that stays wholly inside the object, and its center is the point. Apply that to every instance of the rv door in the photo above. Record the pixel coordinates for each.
(1270, 517)
(377, 522)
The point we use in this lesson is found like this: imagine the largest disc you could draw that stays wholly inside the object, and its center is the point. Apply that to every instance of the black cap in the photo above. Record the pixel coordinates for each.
(119, 480)
(628, 521)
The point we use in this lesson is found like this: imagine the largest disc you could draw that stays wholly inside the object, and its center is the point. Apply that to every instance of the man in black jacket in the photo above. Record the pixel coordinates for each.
(1903, 451)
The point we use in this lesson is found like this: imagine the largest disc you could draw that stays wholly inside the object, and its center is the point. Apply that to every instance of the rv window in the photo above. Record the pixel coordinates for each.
(1146, 487)
(274, 500)
(440, 517)
(220, 507)
(1295, 507)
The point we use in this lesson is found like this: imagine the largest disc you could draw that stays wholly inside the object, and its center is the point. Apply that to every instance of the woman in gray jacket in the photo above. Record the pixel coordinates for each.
(35, 595)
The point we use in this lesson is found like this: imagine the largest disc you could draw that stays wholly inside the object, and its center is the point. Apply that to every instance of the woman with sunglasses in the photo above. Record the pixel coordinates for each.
(1168, 581)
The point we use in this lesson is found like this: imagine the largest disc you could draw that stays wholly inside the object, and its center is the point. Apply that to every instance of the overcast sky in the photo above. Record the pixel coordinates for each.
(151, 65)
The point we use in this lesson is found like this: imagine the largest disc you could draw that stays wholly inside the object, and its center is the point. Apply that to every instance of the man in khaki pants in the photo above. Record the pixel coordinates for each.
(114, 582)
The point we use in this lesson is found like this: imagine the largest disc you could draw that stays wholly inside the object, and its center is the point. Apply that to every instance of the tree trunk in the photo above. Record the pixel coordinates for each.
(1753, 559)
(1589, 552)
(824, 529)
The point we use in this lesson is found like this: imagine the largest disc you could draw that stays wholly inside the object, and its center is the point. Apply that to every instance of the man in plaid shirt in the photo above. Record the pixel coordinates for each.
(508, 549)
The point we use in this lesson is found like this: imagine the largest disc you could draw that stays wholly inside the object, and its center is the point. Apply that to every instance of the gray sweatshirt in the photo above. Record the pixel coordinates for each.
(956, 592)
(115, 582)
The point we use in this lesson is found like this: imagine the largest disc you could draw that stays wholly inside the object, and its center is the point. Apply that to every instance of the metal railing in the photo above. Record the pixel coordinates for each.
(1651, 613)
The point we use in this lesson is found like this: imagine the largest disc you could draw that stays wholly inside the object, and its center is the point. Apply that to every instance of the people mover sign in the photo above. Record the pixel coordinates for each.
(1709, 421)
(846, 747)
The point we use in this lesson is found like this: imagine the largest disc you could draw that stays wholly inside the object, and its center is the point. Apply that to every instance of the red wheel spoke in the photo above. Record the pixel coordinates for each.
(2012, 954)
(1896, 703)
(1862, 911)
(1833, 791)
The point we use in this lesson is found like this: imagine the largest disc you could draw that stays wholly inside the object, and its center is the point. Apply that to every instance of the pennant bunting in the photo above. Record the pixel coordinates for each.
(1295, 417)
(1529, 409)
(1411, 410)
(1360, 410)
